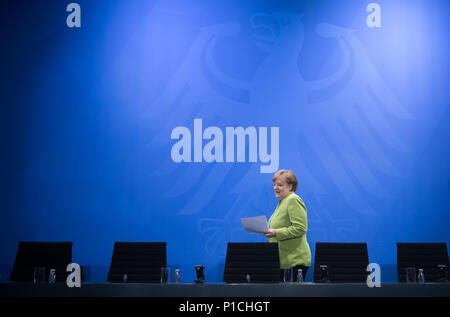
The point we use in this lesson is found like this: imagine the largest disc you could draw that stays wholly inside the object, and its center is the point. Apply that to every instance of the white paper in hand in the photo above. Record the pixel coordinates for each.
(255, 224)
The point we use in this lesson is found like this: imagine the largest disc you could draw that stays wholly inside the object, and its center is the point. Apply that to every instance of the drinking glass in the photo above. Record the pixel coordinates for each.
(287, 275)
(39, 275)
(165, 275)
(411, 275)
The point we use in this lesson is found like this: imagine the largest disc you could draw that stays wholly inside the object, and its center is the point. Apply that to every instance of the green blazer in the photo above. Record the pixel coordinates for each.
(291, 224)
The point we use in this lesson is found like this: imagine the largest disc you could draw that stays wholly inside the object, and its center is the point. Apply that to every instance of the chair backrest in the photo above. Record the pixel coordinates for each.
(346, 262)
(426, 256)
(140, 261)
(51, 255)
(260, 261)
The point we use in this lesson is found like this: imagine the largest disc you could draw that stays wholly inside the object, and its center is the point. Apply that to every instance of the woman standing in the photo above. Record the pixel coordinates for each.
(288, 224)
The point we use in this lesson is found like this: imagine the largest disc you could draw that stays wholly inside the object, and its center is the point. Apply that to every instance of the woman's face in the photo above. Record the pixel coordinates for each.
(281, 188)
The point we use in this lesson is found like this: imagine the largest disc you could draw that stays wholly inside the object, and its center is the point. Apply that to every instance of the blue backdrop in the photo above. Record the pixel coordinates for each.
(99, 142)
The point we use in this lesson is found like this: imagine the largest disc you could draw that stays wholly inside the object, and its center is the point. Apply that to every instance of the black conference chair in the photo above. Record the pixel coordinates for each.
(140, 261)
(252, 262)
(51, 255)
(260, 262)
(431, 257)
(341, 263)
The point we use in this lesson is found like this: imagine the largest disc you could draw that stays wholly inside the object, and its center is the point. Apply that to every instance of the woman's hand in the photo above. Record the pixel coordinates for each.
(271, 233)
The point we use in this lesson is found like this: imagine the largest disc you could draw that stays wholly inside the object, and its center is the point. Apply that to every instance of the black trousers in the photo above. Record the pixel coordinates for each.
(295, 272)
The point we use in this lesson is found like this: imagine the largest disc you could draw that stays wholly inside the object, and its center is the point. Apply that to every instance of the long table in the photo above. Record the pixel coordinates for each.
(10, 290)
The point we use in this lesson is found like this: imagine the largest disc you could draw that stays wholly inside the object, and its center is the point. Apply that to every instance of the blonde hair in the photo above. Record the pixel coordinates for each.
(289, 176)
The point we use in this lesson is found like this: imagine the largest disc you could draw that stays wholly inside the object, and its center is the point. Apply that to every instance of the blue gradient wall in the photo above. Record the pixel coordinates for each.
(87, 115)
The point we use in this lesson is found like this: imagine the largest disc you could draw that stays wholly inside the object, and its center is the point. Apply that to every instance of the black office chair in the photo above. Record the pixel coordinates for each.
(341, 263)
(137, 262)
(252, 262)
(431, 257)
(51, 255)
